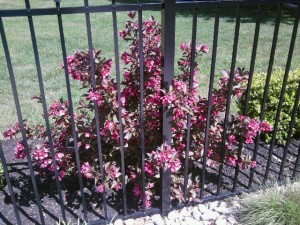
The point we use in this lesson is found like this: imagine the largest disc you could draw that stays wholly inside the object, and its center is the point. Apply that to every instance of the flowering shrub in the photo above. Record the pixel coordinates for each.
(181, 100)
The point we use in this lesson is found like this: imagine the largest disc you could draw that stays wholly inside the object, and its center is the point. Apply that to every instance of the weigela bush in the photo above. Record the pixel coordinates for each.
(181, 100)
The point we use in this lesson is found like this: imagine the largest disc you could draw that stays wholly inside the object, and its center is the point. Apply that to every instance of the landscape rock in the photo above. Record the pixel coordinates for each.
(202, 208)
(231, 220)
(213, 205)
(185, 212)
(173, 215)
(191, 220)
(221, 221)
(118, 222)
(129, 222)
(196, 213)
(209, 215)
(222, 210)
(157, 219)
(139, 221)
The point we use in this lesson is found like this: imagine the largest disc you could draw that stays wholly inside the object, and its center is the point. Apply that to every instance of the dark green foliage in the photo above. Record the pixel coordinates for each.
(256, 99)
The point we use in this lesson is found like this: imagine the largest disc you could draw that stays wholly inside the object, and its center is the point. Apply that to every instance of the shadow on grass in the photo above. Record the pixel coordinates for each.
(248, 13)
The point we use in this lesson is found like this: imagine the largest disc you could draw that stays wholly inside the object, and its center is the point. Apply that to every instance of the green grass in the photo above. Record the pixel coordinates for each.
(46, 28)
(273, 204)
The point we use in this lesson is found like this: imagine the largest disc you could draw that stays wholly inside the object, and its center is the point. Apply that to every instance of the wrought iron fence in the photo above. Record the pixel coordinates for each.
(168, 10)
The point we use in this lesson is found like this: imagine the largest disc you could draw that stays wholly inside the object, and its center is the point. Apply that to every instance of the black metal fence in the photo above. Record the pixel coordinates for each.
(168, 10)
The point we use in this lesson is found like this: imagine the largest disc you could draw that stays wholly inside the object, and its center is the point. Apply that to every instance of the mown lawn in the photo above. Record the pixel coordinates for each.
(46, 27)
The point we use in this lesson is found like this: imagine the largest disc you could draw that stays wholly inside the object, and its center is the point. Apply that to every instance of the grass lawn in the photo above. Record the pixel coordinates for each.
(19, 40)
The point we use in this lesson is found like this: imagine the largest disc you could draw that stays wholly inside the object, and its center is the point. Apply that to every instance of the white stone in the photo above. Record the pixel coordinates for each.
(231, 220)
(222, 210)
(206, 222)
(129, 222)
(196, 213)
(221, 221)
(213, 205)
(185, 212)
(157, 219)
(184, 223)
(191, 221)
(149, 223)
(168, 222)
(202, 208)
(209, 215)
(222, 204)
(118, 222)
(173, 215)
(139, 221)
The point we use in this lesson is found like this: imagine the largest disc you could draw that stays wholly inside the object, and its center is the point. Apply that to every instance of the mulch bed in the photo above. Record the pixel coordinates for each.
(22, 186)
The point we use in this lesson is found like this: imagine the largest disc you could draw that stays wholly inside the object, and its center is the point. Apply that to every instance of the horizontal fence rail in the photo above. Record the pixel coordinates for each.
(122, 200)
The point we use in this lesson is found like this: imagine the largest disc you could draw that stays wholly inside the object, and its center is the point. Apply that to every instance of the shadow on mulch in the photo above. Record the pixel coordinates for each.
(27, 204)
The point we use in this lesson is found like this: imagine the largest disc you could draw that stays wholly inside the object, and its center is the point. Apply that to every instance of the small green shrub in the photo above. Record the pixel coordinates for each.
(256, 99)
(273, 204)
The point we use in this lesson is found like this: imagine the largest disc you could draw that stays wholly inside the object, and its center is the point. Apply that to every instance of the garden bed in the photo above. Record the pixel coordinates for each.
(21, 182)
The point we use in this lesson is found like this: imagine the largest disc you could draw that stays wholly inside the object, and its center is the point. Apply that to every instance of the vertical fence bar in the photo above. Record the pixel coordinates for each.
(96, 107)
(72, 120)
(232, 71)
(141, 57)
(20, 119)
(282, 93)
(209, 100)
(266, 89)
(291, 125)
(116, 46)
(253, 59)
(44, 103)
(191, 83)
(246, 106)
(11, 192)
(168, 53)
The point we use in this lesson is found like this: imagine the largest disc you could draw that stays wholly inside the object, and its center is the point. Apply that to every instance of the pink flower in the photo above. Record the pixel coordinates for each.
(87, 170)
(265, 126)
(137, 190)
(253, 125)
(232, 139)
(204, 48)
(118, 187)
(231, 160)
(61, 175)
(149, 168)
(95, 96)
(100, 188)
(113, 171)
(20, 152)
(253, 164)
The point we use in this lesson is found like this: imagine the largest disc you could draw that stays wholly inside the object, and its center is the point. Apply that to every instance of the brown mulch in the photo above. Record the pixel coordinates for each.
(27, 205)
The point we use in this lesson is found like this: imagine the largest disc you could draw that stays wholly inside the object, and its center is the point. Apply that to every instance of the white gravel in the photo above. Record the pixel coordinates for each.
(212, 213)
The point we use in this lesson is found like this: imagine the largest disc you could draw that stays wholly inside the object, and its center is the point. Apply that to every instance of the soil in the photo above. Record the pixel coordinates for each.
(27, 204)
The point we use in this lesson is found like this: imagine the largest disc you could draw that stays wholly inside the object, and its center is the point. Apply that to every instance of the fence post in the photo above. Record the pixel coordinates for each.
(168, 45)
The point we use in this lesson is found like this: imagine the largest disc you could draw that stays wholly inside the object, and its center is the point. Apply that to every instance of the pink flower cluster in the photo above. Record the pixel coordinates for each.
(165, 157)
(182, 100)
